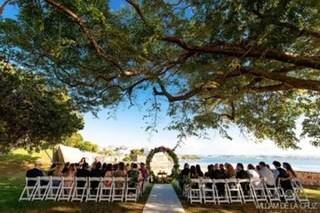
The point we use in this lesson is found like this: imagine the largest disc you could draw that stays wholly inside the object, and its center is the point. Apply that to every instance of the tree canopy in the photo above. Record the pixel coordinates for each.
(32, 115)
(250, 63)
(76, 140)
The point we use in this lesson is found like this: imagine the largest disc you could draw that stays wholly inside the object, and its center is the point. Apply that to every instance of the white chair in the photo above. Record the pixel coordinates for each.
(66, 188)
(247, 192)
(258, 191)
(132, 190)
(80, 188)
(221, 192)
(288, 195)
(208, 191)
(195, 195)
(272, 192)
(93, 189)
(54, 188)
(106, 189)
(234, 190)
(300, 194)
(29, 188)
(118, 188)
(43, 186)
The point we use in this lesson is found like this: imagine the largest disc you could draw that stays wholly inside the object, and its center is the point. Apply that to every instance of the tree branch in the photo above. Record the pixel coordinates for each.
(238, 50)
(136, 7)
(172, 98)
(4, 4)
(100, 52)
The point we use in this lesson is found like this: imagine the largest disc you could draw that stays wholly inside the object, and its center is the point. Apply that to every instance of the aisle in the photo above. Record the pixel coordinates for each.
(163, 198)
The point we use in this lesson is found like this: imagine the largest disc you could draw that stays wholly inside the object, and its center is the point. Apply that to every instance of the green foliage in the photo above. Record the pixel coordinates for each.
(32, 115)
(171, 153)
(76, 141)
(250, 63)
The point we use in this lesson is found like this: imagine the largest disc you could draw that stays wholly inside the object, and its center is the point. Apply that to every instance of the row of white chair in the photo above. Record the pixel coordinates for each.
(82, 189)
(219, 191)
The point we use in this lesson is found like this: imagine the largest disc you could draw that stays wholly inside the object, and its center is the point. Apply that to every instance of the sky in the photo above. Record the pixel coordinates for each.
(127, 128)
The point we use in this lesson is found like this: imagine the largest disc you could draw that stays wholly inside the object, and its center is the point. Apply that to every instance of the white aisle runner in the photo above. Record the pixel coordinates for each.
(163, 198)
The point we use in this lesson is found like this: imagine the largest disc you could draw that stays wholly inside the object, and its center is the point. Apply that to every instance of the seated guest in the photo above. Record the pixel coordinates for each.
(220, 173)
(199, 172)
(35, 172)
(95, 170)
(104, 168)
(241, 173)
(57, 173)
(134, 175)
(52, 168)
(254, 175)
(194, 175)
(209, 173)
(230, 172)
(82, 162)
(144, 171)
(266, 174)
(65, 168)
(120, 172)
(58, 170)
(115, 167)
(184, 175)
(282, 174)
(108, 173)
(289, 169)
(83, 172)
(71, 173)
(193, 172)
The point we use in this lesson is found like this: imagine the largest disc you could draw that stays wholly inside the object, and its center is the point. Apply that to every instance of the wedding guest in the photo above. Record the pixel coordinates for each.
(282, 177)
(254, 175)
(281, 173)
(144, 171)
(135, 176)
(95, 170)
(230, 171)
(120, 172)
(51, 169)
(58, 170)
(104, 168)
(65, 168)
(198, 170)
(241, 173)
(71, 173)
(266, 174)
(108, 173)
(220, 173)
(193, 172)
(209, 173)
(83, 171)
(289, 169)
(82, 162)
(183, 176)
(36, 171)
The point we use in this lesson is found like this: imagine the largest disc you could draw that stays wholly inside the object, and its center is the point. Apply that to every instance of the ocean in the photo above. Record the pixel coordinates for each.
(298, 163)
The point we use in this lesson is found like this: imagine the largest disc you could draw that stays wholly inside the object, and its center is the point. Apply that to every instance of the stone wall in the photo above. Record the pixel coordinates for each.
(309, 178)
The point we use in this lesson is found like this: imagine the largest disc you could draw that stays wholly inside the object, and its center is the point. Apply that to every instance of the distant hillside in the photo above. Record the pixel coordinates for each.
(189, 157)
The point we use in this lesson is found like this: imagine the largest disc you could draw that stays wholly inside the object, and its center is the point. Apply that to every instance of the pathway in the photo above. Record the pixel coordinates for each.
(163, 198)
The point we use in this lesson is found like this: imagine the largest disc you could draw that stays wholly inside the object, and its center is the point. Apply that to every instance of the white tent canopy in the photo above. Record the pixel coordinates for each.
(65, 154)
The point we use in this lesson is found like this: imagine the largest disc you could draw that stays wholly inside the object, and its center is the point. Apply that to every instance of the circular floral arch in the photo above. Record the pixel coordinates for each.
(170, 152)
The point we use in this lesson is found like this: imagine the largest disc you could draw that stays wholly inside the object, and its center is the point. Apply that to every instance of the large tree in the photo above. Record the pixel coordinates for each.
(250, 63)
(33, 115)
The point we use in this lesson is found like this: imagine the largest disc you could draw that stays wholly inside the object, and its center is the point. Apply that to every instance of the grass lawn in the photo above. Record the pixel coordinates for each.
(12, 172)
